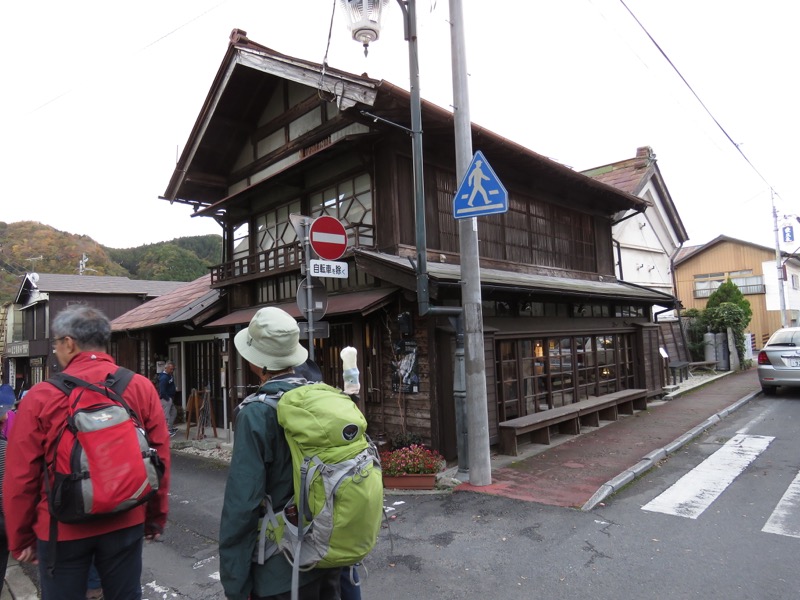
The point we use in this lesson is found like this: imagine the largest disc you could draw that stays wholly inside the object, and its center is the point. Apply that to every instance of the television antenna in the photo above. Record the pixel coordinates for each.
(82, 268)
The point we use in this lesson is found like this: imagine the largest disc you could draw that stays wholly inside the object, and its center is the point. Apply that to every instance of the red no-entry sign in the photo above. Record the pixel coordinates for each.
(328, 238)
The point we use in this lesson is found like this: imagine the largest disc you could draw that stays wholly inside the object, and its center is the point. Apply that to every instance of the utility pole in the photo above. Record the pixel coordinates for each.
(480, 469)
(778, 265)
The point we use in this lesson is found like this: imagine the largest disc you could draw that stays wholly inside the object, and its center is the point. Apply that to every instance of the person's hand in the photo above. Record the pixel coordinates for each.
(27, 555)
(153, 537)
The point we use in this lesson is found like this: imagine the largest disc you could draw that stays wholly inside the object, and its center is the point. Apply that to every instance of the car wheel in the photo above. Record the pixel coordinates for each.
(769, 390)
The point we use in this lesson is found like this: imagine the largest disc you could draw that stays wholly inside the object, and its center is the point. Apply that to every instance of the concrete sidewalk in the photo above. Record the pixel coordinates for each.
(18, 586)
(581, 471)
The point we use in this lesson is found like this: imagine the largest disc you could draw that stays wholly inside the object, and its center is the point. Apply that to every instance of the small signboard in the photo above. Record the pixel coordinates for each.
(319, 298)
(322, 329)
(481, 192)
(788, 233)
(328, 238)
(328, 268)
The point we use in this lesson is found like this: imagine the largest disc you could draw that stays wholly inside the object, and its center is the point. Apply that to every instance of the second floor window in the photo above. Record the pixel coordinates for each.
(274, 230)
(350, 201)
(706, 284)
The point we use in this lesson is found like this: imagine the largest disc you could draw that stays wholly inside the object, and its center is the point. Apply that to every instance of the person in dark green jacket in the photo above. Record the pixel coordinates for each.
(262, 465)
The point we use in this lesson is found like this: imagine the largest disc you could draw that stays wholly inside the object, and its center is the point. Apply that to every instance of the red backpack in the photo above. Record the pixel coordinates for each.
(102, 462)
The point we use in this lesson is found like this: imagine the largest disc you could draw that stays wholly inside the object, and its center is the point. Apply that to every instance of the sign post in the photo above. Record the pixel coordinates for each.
(327, 237)
(480, 192)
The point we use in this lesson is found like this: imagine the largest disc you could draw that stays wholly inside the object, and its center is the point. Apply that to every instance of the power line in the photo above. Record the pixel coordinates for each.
(710, 114)
(142, 49)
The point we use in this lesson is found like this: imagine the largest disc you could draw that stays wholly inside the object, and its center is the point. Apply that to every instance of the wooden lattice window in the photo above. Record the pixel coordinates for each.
(350, 201)
(448, 226)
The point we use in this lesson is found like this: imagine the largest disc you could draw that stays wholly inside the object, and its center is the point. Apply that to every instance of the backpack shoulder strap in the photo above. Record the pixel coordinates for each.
(269, 399)
(62, 382)
(119, 380)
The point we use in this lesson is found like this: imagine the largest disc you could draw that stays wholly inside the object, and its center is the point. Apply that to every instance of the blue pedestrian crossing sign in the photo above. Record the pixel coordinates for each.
(481, 192)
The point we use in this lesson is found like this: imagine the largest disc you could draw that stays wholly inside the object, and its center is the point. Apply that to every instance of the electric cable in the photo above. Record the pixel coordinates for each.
(697, 97)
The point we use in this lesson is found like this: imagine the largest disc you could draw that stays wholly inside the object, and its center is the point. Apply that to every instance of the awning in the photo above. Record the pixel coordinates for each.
(450, 274)
(363, 302)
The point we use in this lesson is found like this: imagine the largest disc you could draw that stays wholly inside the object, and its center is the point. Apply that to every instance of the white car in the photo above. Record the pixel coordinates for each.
(779, 360)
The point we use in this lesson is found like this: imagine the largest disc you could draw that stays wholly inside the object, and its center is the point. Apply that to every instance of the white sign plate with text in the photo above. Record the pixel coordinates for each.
(328, 268)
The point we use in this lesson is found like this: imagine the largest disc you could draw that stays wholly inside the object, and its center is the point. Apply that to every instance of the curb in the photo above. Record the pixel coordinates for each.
(649, 461)
(18, 585)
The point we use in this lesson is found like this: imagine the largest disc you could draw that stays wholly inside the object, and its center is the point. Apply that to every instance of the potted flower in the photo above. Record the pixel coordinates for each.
(412, 467)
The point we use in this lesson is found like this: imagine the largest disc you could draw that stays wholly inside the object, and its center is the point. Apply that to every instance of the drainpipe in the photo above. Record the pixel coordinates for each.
(619, 258)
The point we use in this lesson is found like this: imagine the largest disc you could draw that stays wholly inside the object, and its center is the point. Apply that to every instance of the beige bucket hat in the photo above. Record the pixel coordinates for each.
(271, 340)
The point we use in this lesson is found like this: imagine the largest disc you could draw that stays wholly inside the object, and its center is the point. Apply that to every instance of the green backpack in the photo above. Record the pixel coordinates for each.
(338, 485)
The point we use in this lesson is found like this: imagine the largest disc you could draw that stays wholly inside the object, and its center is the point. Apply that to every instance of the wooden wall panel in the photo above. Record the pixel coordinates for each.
(726, 257)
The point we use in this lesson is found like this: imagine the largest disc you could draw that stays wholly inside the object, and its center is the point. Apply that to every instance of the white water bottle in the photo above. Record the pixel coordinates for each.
(350, 370)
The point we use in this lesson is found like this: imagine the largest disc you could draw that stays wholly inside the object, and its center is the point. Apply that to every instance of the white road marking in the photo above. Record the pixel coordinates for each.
(767, 414)
(205, 561)
(785, 519)
(695, 491)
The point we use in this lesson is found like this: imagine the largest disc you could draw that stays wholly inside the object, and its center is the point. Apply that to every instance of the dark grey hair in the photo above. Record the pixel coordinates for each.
(88, 326)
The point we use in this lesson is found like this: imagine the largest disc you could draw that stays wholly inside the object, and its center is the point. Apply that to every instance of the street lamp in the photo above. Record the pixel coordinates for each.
(469, 377)
(364, 19)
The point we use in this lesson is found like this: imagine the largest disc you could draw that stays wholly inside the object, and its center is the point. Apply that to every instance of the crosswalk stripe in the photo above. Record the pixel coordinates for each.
(695, 491)
(785, 519)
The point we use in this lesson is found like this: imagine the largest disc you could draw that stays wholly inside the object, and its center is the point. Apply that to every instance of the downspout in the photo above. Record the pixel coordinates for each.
(619, 258)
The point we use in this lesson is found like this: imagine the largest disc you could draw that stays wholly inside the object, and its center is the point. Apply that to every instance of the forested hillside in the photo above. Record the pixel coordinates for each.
(28, 246)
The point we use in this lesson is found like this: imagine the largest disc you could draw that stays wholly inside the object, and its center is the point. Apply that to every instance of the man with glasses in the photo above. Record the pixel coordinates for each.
(113, 542)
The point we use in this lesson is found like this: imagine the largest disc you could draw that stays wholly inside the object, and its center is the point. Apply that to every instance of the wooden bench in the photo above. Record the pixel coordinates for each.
(678, 368)
(569, 418)
(702, 365)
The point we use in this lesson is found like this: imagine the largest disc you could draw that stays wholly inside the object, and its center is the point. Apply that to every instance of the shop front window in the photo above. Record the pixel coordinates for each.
(539, 373)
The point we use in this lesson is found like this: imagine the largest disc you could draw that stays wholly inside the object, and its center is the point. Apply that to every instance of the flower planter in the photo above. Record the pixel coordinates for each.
(409, 482)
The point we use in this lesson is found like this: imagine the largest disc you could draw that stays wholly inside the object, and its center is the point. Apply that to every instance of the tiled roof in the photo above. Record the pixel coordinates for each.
(103, 284)
(626, 175)
(177, 306)
(363, 302)
(685, 253)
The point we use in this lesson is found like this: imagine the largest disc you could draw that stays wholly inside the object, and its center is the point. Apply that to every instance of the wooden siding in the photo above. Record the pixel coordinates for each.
(398, 411)
(727, 257)
(651, 365)
(673, 340)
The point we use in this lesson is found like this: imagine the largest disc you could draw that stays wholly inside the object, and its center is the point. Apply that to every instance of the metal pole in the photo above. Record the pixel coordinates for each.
(409, 9)
(480, 468)
(778, 265)
(423, 296)
(460, 398)
(309, 287)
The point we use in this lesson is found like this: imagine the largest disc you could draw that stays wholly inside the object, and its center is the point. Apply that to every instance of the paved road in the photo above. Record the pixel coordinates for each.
(477, 545)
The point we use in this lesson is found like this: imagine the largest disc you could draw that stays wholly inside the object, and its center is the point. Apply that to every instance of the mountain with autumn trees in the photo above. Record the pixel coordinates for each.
(27, 246)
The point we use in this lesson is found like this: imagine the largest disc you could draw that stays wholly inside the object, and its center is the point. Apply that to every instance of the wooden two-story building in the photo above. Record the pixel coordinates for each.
(279, 136)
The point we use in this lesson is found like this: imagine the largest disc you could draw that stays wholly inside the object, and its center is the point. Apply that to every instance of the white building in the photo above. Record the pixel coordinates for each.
(645, 242)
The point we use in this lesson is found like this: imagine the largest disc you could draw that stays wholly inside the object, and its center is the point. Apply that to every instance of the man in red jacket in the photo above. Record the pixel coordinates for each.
(81, 334)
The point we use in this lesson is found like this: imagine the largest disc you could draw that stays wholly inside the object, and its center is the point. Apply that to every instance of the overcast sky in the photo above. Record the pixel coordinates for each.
(100, 97)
